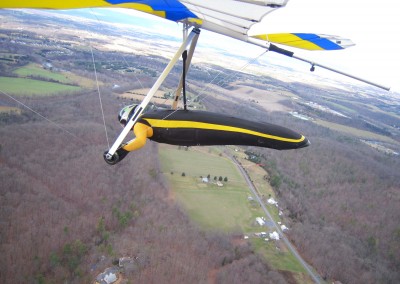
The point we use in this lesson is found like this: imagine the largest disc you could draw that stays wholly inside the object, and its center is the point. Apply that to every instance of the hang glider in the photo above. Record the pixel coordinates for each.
(232, 18)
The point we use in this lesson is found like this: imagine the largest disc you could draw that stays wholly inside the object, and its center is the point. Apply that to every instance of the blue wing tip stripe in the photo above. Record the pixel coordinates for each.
(324, 43)
(174, 10)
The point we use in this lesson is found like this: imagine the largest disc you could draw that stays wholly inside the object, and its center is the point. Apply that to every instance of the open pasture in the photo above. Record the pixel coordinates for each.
(31, 87)
(36, 71)
(196, 162)
(211, 206)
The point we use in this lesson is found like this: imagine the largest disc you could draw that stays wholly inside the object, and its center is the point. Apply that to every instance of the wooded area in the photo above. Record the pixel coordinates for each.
(63, 208)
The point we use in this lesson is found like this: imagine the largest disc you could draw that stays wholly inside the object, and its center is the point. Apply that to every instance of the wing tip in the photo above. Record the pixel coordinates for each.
(307, 41)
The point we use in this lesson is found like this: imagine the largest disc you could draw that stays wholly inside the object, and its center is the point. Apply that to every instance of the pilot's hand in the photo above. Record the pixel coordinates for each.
(117, 157)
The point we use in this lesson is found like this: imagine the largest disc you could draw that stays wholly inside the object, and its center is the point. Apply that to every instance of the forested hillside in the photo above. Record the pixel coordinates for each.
(66, 215)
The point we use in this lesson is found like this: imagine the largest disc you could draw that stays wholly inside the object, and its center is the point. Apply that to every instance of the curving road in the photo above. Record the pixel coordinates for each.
(314, 276)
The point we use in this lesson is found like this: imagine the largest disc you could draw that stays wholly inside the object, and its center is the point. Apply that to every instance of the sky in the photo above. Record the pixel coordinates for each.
(374, 26)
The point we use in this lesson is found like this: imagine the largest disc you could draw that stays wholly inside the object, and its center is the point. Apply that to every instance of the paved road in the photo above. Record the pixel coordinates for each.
(315, 277)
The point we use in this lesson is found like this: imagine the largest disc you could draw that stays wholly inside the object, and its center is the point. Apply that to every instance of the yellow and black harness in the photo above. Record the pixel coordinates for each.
(201, 128)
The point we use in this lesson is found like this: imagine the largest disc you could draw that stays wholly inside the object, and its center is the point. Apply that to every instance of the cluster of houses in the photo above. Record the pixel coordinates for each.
(262, 222)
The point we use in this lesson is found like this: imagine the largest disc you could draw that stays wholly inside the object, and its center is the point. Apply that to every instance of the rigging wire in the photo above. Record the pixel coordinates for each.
(101, 24)
(98, 91)
(45, 118)
(221, 80)
(220, 83)
(136, 77)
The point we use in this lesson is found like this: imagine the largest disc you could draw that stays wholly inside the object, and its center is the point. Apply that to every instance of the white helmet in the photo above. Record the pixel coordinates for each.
(126, 113)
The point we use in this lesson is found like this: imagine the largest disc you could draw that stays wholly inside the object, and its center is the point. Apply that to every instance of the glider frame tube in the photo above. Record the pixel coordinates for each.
(139, 110)
(343, 73)
(187, 66)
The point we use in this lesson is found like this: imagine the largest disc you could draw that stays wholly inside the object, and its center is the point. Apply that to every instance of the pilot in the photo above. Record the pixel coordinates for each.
(202, 128)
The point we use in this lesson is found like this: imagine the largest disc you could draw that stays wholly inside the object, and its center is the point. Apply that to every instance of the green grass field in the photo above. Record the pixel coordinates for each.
(278, 256)
(30, 87)
(34, 70)
(212, 207)
(198, 162)
(216, 208)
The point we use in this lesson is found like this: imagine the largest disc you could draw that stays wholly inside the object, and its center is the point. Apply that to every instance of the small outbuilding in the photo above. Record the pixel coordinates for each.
(274, 236)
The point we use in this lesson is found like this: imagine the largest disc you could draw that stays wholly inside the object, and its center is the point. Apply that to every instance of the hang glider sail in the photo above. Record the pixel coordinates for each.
(232, 18)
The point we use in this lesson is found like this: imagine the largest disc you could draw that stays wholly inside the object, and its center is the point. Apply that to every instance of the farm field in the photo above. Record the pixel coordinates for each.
(139, 97)
(200, 161)
(34, 70)
(231, 201)
(278, 256)
(213, 207)
(33, 80)
(31, 87)
(160, 97)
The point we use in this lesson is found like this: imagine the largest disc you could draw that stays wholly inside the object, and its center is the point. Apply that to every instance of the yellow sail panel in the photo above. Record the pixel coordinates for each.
(51, 4)
(143, 8)
(78, 4)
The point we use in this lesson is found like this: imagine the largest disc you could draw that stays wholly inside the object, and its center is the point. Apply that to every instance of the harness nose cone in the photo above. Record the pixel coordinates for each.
(305, 143)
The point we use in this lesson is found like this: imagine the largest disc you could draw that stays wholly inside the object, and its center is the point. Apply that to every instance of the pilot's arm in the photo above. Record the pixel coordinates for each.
(142, 132)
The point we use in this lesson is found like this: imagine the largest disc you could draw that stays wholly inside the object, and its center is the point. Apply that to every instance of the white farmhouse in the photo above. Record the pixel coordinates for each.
(260, 221)
(274, 236)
